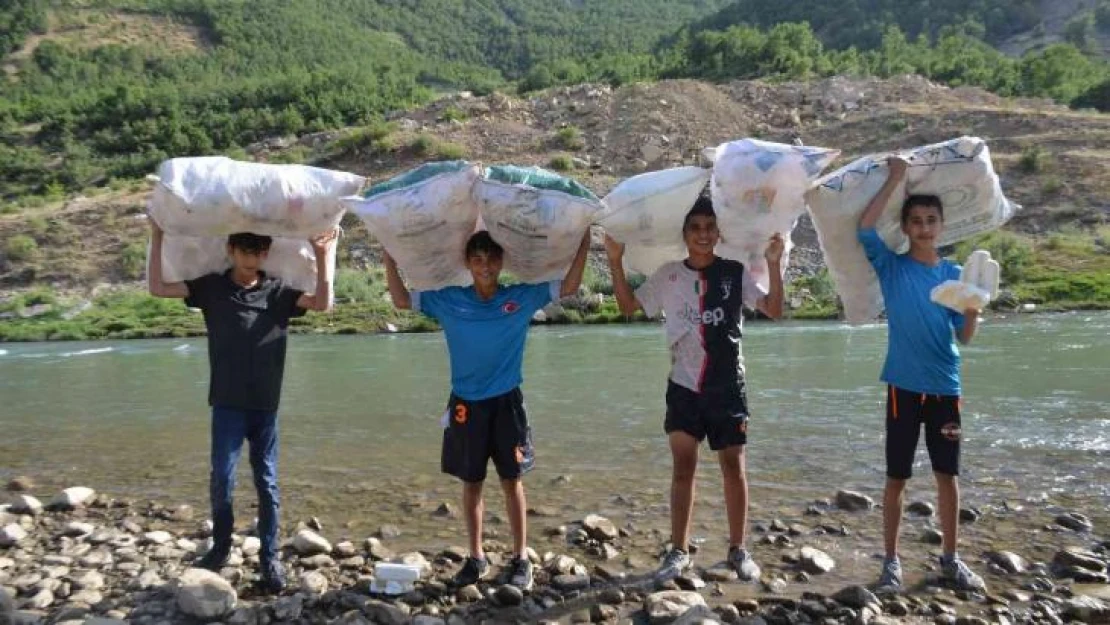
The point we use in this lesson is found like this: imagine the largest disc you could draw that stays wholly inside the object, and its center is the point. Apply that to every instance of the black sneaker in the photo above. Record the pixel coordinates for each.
(520, 573)
(472, 571)
(214, 560)
(273, 577)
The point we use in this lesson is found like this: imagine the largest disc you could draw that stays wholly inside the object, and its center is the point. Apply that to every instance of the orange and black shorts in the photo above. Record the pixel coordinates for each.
(479, 430)
(906, 413)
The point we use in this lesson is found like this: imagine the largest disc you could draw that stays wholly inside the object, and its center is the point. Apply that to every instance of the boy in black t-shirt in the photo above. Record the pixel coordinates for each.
(247, 315)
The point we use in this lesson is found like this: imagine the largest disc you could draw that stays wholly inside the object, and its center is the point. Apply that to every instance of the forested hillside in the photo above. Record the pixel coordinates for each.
(95, 91)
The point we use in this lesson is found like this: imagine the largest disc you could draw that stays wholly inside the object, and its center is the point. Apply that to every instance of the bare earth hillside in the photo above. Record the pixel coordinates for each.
(621, 132)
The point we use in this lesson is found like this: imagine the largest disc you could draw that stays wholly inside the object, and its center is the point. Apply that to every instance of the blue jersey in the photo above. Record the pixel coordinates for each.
(921, 353)
(485, 338)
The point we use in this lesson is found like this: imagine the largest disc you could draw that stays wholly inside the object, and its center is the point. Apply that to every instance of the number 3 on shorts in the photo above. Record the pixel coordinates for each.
(461, 414)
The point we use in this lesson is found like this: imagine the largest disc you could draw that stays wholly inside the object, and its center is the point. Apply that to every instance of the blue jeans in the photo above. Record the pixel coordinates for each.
(230, 426)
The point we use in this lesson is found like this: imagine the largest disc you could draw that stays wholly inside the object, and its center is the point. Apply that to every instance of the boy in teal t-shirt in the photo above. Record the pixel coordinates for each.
(922, 370)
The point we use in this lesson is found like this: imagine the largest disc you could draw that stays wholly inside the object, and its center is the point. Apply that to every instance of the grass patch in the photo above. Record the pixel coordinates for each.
(21, 248)
(1032, 159)
(1052, 185)
(816, 296)
(1014, 252)
(453, 114)
(132, 260)
(295, 155)
(570, 138)
(450, 151)
(375, 138)
(561, 162)
(423, 145)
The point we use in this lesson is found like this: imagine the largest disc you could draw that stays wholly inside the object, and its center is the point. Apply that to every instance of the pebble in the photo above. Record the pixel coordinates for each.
(815, 561)
(1008, 561)
(921, 509)
(25, 504)
(1075, 521)
(853, 501)
(308, 543)
(509, 595)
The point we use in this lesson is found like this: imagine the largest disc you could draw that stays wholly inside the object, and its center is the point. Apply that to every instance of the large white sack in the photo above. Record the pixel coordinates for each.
(539, 217)
(646, 212)
(758, 189)
(423, 218)
(959, 171)
(214, 196)
(292, 260)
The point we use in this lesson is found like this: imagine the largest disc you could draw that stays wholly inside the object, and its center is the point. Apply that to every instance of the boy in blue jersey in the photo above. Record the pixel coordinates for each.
(702, 298)
(485, 326)
(922, 370)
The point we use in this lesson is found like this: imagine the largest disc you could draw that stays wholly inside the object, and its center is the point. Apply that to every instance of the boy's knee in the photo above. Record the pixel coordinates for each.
(944, 478)
(732, 465)
(684, 471)
(896, 485)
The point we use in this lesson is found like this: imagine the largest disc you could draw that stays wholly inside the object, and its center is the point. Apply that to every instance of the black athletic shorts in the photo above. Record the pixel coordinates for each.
(719, 415)
(906, 412)
(495, 428)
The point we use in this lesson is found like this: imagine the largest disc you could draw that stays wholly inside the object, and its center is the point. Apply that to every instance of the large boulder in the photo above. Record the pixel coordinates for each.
(669, 605)
(853, 501)
(309, 543)
(25, 504)
(600, 528)
(205, 595)
(74, 497)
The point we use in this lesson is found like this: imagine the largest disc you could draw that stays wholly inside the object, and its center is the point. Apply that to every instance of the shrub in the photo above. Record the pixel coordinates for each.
(423, 145)
(20, 247)
(570, 138)
(352, 285)
(132, 260)
(561, 162)
(453, 114)
(1013, 252)
(451, 151)
(1052, 185)
(1032, 159)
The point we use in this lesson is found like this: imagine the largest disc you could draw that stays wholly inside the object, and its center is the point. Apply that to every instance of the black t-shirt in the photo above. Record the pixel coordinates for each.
(247, 329)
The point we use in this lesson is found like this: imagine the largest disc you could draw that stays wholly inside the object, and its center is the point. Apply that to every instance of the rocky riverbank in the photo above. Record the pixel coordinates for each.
(82, 557)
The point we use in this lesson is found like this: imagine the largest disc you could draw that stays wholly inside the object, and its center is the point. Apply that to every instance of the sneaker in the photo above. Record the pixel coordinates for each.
(955, 572)
(674, 563)
(891, 577)
(472, 571)
(520, 573)
(273, 577)
(214, 560)
(741, 561)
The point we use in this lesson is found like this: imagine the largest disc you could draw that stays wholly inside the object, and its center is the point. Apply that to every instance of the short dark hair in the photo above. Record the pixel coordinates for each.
(925, 201)
(249, 242)
(482, 243)
(702, 206)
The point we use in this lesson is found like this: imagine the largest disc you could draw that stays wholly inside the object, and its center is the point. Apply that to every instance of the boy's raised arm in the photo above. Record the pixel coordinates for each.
(897, 167)
(398, 292)
(321, 299)
(622, 290)
(573, 279)
(154, 282)
(771, 304)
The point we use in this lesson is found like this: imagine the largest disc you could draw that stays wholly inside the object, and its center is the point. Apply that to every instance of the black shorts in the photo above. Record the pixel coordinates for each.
(906, 411)
(720, 415)
(476, 431)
